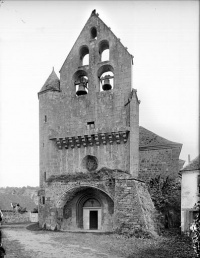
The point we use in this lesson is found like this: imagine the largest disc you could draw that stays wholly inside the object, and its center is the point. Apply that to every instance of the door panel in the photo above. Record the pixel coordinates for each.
(93, 219)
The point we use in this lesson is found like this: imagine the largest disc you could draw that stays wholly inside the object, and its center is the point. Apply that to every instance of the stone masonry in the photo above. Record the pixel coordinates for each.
(158, 156)
(89, 139)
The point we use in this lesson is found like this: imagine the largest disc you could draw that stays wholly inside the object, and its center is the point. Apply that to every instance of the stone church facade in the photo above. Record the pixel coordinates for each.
(89, 139)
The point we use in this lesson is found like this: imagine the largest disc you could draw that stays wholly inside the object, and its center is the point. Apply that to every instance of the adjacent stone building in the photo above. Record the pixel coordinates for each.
(158, 156)
(94, 158)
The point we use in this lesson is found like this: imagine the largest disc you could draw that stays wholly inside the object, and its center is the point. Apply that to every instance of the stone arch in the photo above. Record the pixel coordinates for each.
(72, 204)
(73, 190)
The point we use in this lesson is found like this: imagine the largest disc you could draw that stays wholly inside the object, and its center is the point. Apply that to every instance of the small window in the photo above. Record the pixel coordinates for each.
(43, 199)
(90, 125)
(45, 118)
(93, 32)
(45, 175)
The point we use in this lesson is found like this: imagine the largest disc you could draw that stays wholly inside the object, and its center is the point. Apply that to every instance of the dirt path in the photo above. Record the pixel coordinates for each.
(22, 243)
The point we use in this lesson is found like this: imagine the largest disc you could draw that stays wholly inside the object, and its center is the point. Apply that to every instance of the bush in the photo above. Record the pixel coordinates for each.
(196, 235)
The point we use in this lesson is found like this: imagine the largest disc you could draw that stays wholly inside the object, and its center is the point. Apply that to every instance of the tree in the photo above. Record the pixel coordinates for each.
(166, 195)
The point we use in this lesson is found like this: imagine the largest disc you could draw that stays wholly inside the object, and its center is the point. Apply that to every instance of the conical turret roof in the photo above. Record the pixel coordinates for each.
(51, 84)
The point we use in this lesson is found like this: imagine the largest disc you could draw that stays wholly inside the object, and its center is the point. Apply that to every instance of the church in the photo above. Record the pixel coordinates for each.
(94, 156)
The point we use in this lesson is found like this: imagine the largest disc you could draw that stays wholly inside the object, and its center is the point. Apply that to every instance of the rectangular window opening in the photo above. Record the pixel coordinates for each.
(45, 174)
(43, 199)
(90, 125)
(45, 118)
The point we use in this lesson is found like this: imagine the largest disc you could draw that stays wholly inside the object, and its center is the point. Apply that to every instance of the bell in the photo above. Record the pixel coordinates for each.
(107, 85)
(81, 89)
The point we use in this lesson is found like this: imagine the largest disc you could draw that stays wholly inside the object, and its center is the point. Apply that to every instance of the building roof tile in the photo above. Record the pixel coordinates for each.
(150, 140)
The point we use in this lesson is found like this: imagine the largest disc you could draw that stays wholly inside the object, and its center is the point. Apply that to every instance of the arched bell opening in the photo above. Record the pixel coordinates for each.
(106, 78)
(104, 51)
(84, 55)
(80, 79)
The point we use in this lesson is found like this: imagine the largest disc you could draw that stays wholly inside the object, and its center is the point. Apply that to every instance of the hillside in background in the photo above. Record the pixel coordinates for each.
(25, 196)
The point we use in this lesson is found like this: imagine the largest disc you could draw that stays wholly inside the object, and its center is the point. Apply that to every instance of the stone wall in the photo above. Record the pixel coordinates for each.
(154, 162)
(64, 115)
(15, 217)
(125, 203)
(134, 208)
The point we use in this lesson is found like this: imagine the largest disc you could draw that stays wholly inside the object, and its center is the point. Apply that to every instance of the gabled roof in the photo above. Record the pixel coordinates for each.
(150, 140)
(51, 84)
(193, 165)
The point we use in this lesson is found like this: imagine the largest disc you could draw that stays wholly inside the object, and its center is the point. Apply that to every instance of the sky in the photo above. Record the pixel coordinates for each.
(163, 37)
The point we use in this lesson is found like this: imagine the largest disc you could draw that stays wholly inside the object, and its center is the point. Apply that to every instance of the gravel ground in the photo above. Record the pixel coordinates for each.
(23, 241)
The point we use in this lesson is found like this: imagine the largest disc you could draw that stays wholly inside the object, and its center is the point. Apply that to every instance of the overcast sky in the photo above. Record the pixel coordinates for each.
(163, 37)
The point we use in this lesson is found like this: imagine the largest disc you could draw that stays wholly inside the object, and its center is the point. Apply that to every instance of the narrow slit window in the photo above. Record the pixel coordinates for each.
(45, 118)
(43, 199)
(45, 175)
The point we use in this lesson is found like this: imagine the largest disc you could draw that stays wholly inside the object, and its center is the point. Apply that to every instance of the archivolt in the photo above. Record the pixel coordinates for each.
(70, 193)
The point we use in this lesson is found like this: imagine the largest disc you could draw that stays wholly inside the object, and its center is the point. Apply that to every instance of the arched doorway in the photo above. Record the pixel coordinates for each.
(85, 207)
(92, 214)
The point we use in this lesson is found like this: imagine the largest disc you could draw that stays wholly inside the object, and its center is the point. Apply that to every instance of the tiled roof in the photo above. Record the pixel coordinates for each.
(193, 165)
(150, 140)
(52, 83)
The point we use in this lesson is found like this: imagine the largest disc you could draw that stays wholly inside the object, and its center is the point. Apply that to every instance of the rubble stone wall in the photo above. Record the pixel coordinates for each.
(164, 162)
